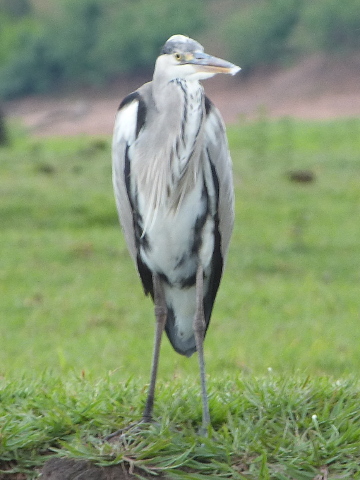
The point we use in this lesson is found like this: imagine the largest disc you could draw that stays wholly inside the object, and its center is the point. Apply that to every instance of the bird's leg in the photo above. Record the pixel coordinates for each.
(199, 331)
(160, 315)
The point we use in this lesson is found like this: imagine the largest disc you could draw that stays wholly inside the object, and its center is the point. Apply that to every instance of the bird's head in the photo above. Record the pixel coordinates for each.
(183, 57)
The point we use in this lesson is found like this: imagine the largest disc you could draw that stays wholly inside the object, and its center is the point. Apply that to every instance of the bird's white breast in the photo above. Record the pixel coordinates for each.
(171, 236)
(171, 254)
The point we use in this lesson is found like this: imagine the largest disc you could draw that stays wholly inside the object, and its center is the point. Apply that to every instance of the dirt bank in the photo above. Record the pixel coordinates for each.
(316, 88)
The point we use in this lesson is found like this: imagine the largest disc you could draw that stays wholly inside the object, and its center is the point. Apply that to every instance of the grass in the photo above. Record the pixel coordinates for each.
(262, 428)
(282, 347)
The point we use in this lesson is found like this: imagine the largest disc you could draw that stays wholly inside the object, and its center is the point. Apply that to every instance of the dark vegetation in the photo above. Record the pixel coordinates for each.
(45, 46)
(3, 131)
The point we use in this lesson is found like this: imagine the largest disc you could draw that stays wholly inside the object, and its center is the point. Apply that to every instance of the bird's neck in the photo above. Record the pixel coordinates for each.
(191, 113)
(181, 106)
(166, 91)
(179, 120)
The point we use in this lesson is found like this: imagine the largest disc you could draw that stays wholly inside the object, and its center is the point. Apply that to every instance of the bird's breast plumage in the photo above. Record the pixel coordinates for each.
(175, 241)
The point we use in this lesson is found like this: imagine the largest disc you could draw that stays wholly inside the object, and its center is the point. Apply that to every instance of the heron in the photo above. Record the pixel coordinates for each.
(172, 179)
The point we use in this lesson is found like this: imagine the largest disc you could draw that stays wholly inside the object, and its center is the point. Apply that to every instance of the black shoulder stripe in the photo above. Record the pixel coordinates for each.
(144, 271)
(208, 105)
(127, 175)
(146, 277)
(130, 98)
(141, 113)
(215, 178)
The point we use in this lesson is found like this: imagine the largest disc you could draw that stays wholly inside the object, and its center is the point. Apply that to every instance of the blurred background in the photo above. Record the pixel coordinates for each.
(65, 65)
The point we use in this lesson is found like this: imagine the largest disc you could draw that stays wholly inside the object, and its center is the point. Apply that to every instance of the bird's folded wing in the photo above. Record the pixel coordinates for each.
(125, 133)
(218, 153)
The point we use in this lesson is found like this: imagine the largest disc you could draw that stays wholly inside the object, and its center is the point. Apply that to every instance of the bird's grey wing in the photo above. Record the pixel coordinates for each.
(218, 153)
(128, 123)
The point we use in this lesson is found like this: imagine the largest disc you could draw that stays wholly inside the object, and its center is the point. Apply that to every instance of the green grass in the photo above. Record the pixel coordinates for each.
(288, 309)
(262, 428)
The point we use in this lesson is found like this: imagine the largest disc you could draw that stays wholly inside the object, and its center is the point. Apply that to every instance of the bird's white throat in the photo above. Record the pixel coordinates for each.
(192, 94)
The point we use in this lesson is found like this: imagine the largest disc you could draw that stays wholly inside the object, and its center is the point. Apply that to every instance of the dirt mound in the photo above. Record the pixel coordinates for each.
(318, 87)
(69, 469)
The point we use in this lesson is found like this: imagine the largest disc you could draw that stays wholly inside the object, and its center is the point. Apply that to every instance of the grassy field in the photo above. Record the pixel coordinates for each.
(76, 330)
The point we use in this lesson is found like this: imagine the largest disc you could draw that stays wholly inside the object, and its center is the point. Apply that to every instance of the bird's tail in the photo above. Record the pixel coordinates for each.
(186, 346)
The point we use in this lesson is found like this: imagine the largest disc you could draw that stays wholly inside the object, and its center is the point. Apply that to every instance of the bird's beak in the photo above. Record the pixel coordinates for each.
(209, 64)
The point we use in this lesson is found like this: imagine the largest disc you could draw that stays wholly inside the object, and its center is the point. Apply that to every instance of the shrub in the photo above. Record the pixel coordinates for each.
(16, 8)
(88, 41)
(259, 34)
(331, 25)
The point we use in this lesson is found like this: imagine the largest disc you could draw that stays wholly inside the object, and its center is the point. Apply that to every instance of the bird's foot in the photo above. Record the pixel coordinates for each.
(203, 431)
(130, 431)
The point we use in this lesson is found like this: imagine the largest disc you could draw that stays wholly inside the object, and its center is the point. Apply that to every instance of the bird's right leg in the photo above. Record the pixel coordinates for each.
(160, 315)
(199, 331)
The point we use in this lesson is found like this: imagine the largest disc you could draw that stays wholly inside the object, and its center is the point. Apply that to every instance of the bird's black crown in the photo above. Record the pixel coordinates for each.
(182, 44)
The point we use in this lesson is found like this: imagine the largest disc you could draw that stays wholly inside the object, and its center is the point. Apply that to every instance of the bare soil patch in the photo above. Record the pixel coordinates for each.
(316, 88)
(69, 469)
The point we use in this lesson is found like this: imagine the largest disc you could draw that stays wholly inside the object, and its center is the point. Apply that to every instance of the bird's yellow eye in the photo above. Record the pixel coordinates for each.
(178, 56)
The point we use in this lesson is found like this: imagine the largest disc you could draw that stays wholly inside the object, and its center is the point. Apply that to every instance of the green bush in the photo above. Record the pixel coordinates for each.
(133, 35)
(16, 8)
(259, 33)
(92, 41)
(30, 67)
(12, 33)
(89, 41)
(4, 139)
(330, 25)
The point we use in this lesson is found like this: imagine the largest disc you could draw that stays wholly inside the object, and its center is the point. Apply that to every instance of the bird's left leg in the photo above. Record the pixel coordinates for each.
(160, 315)
(199, 331)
